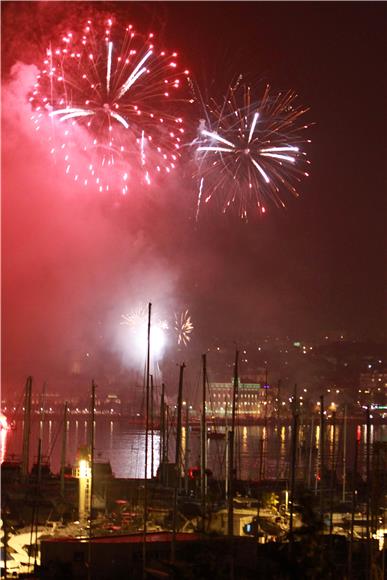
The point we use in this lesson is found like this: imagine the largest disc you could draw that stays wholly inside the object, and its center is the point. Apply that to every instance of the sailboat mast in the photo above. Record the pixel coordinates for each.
(41, 432)
(27, 427)
(178, 424)
(368, 496)
(322, 455)
(333, 473)
(354, 502)
(177, 462)
(293, 462)
(203, 482)
(311, 449)
(93, 387)
(344, 452)
(35, 518)
(187, 449)
(162, 425)
(63, 454)
(231, 439)
(151, 422)
(146, 442)
(91, 445)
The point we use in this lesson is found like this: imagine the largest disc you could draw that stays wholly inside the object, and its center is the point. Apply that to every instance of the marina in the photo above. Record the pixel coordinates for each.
(88, 484)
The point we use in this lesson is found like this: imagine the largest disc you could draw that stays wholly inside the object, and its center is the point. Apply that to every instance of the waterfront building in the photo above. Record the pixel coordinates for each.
(254, 399)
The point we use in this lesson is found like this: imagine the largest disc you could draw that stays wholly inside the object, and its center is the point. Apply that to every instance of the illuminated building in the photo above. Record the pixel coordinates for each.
(252, 399)
(372, 387)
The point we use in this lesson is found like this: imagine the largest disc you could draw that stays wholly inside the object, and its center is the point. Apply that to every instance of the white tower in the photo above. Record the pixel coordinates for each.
(83, 472)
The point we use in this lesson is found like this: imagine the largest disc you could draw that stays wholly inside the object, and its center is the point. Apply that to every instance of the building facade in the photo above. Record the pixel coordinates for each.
(253, 399)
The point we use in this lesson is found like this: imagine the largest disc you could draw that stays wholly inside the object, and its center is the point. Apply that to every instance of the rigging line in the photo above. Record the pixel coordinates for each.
(56, 434)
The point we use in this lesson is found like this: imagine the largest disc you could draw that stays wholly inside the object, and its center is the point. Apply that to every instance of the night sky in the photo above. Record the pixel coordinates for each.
(72, 263)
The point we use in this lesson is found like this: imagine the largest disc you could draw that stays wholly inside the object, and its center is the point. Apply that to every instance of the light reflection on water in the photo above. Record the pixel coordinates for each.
(3, 444)
(259, 450)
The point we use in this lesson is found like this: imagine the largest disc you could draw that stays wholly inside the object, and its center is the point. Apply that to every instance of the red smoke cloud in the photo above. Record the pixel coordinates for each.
(69, 267)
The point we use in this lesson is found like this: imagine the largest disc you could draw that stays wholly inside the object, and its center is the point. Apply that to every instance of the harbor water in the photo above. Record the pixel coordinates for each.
(261, 452)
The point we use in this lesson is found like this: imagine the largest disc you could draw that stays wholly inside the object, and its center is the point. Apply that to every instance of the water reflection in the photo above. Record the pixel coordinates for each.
(111, 435)
(183, 440)
(260, 452)
(317, 439)
(244, 439)
(49, 435)
(3, 444)
(76, 434)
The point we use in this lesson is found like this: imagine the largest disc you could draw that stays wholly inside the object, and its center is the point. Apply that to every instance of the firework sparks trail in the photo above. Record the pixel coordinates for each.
(199, 198)
(183, 327)
(109, 66)
(250, 152)
(120, 92)
(252, 128)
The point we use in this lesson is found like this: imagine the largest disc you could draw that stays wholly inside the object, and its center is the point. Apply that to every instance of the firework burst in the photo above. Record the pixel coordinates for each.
(137, 323)
(136, 317)
(183, 327)
(111, 97)
(139, 316)
(249, 152)
(137, 320)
